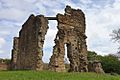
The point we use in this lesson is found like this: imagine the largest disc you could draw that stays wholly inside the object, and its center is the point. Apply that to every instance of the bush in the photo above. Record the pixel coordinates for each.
(110, 63)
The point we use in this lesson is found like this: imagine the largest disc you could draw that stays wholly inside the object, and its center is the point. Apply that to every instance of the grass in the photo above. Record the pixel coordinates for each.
(47, 75)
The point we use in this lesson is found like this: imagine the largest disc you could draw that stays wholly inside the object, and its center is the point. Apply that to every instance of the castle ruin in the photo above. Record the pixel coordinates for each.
(28, 47)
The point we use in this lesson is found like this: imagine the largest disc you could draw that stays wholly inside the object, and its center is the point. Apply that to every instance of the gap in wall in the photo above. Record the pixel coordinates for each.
(49, 41)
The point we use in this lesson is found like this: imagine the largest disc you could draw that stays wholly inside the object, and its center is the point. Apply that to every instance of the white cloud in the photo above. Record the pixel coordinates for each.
(12, 14)
(2, 42)
(100, 23)
(51, 34)
(86, 1)
(49, 41)
(1, 51)
(4, 33)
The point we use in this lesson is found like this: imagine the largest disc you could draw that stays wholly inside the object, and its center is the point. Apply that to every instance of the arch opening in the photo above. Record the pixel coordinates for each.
(66, 58)
(49, 41)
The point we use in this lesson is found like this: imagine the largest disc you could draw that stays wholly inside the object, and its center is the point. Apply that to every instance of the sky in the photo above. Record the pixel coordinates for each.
(102, 16)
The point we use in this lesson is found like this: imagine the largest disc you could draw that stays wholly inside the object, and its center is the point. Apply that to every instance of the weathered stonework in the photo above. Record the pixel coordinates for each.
(28, 47)
(4, 66)
(31, 40)
(95, 67)
(71, 32)
(14, 53)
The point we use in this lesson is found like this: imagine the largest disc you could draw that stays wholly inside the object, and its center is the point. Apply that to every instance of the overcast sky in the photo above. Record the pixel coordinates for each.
(102, 16)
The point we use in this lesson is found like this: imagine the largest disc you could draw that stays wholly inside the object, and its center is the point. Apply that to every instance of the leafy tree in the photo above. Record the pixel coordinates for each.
(110, 63)
(92, 55)
(5, 61)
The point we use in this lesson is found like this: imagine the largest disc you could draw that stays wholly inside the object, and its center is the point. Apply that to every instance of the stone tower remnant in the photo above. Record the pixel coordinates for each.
(31, 40)
(14, 52)
(71, 32)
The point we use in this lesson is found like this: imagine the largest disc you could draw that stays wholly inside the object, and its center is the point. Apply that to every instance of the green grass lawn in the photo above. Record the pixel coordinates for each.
(47, 75)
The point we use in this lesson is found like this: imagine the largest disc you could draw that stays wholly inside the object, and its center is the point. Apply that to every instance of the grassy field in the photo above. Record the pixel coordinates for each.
(47, 75)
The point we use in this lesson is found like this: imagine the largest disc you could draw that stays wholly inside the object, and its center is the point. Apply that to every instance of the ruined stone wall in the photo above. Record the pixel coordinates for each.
(14, 52)
(71, 31)
(31, 40)
(28, 47)
(4, 66)
(95, 66)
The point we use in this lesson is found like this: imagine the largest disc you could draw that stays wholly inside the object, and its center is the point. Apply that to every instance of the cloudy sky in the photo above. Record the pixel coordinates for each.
(102, 16)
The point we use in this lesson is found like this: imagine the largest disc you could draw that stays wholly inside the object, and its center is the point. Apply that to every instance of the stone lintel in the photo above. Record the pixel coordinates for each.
(51, 18)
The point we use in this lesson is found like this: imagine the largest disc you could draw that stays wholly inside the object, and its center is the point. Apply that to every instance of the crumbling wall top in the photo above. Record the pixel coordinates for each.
(74, 18)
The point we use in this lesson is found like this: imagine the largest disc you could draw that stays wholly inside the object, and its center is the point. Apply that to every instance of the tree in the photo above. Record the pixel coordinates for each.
(116, 37)
(110, 64)
(92, 55)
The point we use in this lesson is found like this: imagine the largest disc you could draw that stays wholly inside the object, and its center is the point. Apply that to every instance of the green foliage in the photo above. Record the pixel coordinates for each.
(92, 56)
(47, 75)
(5, 60)
(110, 63)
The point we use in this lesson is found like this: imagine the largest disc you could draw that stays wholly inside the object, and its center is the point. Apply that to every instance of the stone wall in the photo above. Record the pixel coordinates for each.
(4, 66)
(71, 32)
(14, 52)
(95, 66)
(31, 40)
